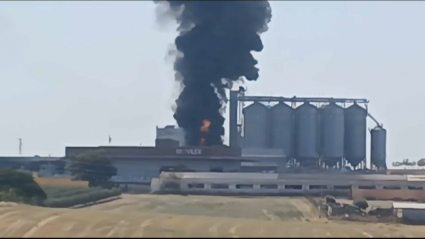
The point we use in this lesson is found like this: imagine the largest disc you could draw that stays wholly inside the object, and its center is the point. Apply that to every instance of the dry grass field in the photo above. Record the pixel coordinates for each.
(188, 216)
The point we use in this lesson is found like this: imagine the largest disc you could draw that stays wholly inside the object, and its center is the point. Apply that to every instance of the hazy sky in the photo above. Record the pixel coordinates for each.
(73, 73)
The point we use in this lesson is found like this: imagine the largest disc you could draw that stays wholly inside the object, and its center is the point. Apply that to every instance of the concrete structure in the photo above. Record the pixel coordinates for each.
(309, 146)
(138, 165)
(378, 147)
(290, 184)
(171, 132)
(256, 126)
(410, 213)
(33, 163)
(405, 171)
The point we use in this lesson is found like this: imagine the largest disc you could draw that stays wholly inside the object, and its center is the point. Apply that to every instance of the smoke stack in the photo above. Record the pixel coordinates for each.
(215, 41)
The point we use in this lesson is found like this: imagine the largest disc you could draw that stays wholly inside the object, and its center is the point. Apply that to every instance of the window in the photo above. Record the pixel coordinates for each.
(345, 187)
(196, 185)
(367, 187)
(317, 187)
(296, 187)
(220, 186)
(244, 186)
(268, 186)
(392, 187)
(415, 188)
(216, 169)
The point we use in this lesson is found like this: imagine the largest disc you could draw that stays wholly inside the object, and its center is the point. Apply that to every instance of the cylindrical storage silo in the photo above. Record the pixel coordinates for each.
(332, 134)
(355, 134)
(306, 134)
(378, 147)
(282, 129)
(256, 126)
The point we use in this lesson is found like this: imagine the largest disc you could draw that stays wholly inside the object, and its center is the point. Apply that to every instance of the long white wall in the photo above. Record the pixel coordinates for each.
(144, 170)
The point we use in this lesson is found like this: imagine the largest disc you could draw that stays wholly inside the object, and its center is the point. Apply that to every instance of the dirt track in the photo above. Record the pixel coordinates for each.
(167, 216)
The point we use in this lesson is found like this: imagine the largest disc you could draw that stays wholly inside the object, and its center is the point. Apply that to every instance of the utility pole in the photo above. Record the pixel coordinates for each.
(20, 146)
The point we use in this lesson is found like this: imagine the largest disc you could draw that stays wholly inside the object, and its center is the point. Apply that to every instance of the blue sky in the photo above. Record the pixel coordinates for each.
(73, 73)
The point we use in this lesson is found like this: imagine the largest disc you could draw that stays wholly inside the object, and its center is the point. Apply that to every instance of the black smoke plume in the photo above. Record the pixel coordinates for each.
(216, 40)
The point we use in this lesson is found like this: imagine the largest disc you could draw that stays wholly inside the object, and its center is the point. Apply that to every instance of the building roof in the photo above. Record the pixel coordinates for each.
(344, 176)
(258, 164)
(29, 159)
(408, 205)
(138, 152)
(406, 171)
(316, 176)
(224, 158)
(415, 177)
(210, 175)
(263, 153)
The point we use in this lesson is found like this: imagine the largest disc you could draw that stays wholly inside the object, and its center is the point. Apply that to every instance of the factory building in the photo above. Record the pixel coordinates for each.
(280, 138)
(138, 165)
(141, 164)
(171, 132)
(46, 165)
(378, 187)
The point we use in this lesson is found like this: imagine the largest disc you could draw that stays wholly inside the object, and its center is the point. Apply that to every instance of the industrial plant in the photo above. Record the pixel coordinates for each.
(277, 145)
(312, 132)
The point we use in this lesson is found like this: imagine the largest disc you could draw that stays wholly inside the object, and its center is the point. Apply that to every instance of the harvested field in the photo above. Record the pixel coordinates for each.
(191, 216)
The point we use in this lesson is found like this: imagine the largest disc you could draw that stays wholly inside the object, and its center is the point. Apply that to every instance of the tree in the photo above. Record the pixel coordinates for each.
(92, 166)
(14, 184)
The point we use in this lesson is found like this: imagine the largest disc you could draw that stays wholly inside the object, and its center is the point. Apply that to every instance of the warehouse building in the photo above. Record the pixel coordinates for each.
(49, 165)
(348, 185)
(138, 165)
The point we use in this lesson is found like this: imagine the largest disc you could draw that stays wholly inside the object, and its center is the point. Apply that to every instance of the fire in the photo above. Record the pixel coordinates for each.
(205, 126)
(205, 129)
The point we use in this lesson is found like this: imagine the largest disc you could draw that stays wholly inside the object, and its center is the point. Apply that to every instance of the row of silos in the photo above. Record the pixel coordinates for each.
(307, 132)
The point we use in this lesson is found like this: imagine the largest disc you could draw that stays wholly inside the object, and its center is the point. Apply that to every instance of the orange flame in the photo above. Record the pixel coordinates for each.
(205, 129)
(205, 126)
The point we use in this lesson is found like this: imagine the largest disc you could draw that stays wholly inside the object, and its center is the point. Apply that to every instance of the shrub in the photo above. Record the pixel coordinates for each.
(361, 203)
(10, 196)
(107, 185)
(58, 192)
(82, 198)
(20, 186)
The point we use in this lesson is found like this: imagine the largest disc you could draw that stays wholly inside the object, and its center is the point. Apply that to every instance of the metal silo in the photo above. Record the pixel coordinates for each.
(256, 126)
(306, 134)
(378, 147)
(282, 129)
(332, 134)
(355, 134)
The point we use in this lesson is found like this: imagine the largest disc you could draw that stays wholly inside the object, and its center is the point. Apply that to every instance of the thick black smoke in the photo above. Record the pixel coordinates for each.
(216, 40)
